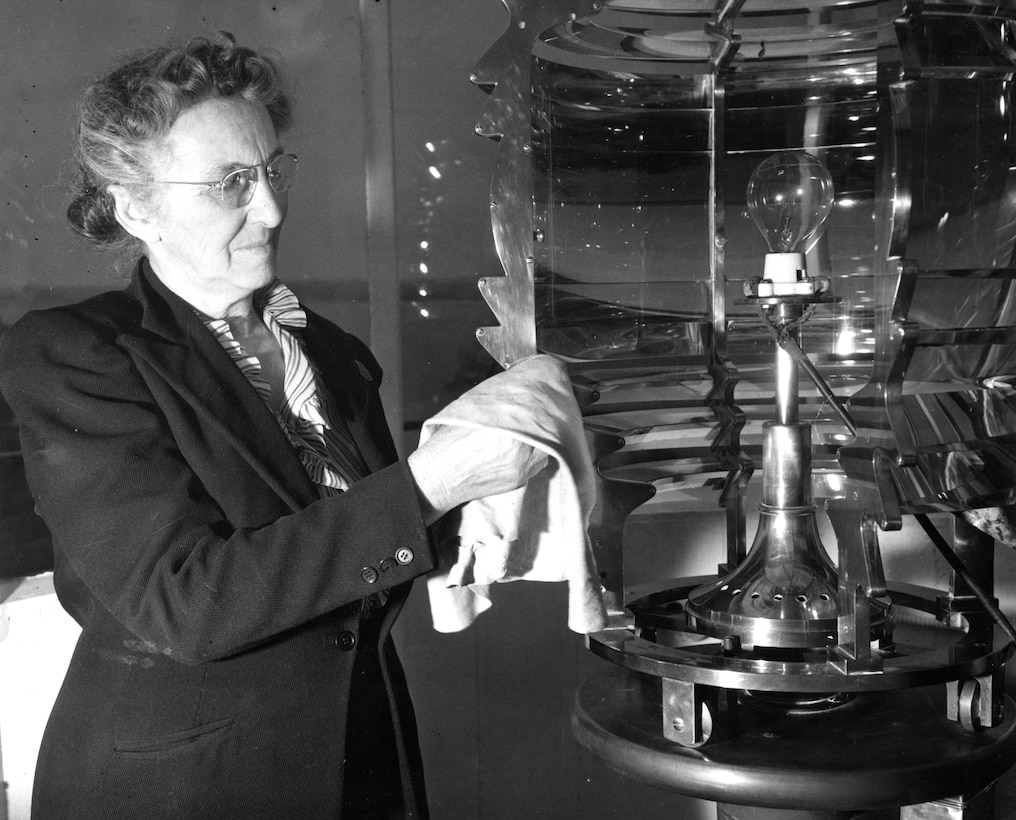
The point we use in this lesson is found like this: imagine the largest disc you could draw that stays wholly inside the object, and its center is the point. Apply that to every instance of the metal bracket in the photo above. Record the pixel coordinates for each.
(977, 703)
(722, 28)
(862, 578)
(693, 714)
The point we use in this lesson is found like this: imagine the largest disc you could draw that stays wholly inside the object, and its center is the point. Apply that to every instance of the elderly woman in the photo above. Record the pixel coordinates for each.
(232, 527)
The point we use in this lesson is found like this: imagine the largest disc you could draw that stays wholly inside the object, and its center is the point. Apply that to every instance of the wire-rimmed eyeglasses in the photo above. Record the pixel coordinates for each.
(237, 187)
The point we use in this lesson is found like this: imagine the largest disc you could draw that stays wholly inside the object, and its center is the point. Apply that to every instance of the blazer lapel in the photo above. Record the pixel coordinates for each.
(192, 361)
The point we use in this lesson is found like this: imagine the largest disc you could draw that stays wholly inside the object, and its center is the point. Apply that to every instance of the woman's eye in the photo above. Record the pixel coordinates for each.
(233, 183)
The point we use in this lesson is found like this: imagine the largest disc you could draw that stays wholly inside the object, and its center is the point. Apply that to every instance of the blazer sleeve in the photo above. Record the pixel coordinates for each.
(139, 532)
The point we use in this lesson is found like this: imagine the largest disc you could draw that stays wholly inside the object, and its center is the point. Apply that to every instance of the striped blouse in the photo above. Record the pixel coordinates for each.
(307, 416)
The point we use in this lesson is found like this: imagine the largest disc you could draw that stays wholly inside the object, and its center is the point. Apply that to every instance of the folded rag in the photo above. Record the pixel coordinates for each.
(538, 531)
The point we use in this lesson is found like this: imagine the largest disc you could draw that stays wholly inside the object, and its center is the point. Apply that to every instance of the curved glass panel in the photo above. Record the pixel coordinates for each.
(648, 119)
(621, 177)
(623, 149)
(645, 134)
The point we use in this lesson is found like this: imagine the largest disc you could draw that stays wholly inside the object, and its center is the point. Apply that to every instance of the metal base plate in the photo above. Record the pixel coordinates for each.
(924, 652)
(891, 748)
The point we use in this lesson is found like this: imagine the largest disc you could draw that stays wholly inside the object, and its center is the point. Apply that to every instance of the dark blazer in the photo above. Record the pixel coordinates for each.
(219, 596)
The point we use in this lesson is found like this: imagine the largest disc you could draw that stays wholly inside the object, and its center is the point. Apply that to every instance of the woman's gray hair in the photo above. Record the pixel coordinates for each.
(124, 115)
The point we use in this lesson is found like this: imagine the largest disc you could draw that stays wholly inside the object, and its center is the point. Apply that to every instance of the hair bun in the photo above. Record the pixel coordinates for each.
(92, 215)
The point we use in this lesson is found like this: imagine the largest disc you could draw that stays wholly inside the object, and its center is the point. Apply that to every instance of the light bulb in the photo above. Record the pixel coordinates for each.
(790, 194)
(789, 197)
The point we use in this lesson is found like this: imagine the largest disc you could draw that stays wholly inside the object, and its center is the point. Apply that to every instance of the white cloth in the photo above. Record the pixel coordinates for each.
(538, 531)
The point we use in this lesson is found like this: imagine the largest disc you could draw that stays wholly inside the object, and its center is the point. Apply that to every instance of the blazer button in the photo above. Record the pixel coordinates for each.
(387, 564)
(369, 575)
(345, 640)
(404, 555)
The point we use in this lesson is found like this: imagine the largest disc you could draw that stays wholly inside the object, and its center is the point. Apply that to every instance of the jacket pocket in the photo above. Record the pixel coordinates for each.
(178, 743)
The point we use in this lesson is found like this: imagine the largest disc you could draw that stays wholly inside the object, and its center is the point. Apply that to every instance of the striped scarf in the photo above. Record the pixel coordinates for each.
(308, 416)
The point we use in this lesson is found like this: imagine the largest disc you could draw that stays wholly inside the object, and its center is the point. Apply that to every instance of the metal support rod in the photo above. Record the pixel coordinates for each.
(792, 347)
(957, 565)
(786, 367)
(729, 9)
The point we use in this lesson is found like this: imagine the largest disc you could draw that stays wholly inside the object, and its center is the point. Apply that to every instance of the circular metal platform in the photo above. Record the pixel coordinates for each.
(890, 748)
(919, 657)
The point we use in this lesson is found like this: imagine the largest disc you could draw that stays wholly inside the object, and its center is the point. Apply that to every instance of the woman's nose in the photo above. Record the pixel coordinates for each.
(266, 205)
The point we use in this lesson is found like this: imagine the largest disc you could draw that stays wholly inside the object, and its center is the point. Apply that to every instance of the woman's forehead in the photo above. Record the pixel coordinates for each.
(218, 135)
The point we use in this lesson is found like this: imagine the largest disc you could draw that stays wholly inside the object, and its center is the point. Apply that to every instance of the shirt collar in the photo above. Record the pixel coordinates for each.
(281, 303)
(274, 299)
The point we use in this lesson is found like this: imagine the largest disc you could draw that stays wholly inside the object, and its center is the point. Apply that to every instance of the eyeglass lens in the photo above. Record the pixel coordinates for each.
(237, 188)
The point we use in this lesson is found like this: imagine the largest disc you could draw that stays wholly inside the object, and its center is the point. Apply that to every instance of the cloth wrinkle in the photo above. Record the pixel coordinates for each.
(537, 532)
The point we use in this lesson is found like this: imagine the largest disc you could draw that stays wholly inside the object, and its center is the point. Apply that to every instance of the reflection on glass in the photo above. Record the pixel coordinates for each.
(621, 176)
(961, 219)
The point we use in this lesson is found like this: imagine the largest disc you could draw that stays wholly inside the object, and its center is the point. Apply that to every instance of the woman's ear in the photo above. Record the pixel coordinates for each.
(136, 217)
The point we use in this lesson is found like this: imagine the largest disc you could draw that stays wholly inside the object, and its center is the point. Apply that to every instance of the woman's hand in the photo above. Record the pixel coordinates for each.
(458, 464)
